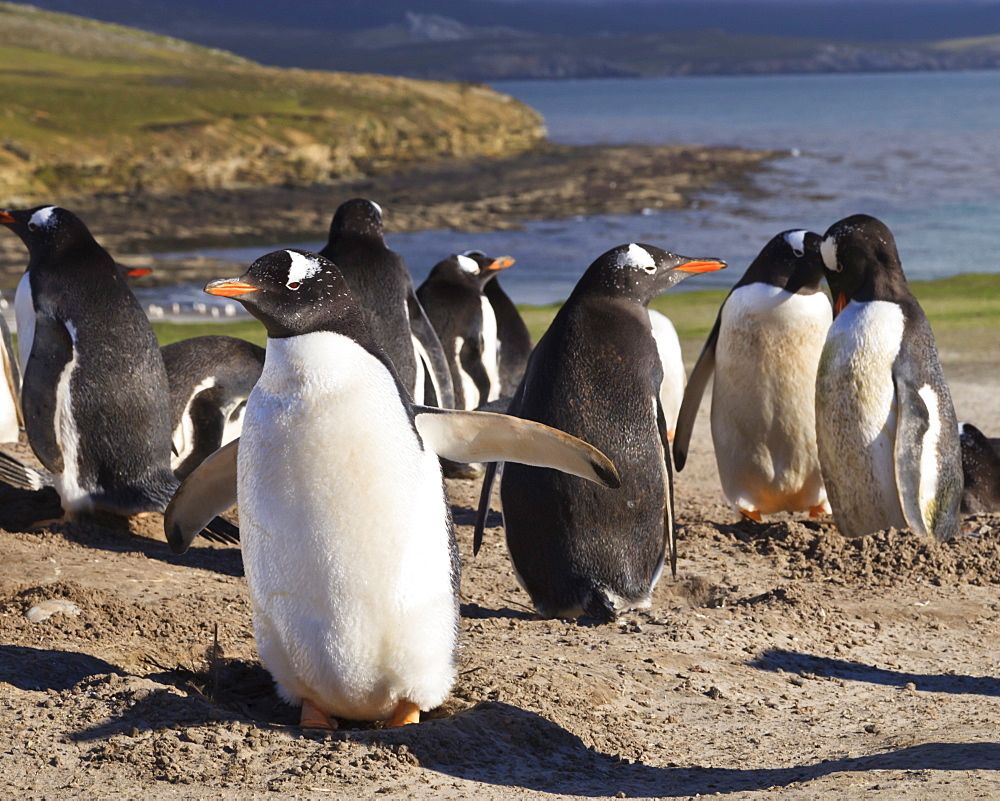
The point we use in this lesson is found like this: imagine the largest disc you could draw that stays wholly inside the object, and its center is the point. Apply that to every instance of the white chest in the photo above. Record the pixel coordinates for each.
(24, 314)
(345, 539)
(491, 350)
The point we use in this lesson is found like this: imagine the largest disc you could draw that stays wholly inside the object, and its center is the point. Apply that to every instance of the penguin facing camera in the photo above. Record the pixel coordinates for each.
(348, 543)
(764, 352)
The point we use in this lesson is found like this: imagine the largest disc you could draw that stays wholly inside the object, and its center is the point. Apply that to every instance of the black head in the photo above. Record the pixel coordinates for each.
(46, 230)
(358, 216)
(861, 262)
(467, 270)
(791, 261)
(640, 272)
(295, 292)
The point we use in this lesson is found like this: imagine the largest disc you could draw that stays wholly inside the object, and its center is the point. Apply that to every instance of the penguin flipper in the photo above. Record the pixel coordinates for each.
(11, 372)
(18, 474)
(484, 506)
(51, 351)
(930, 504)
(206, 493)
(669, 530)
(433, 353)
(486, 437)
(693, 392)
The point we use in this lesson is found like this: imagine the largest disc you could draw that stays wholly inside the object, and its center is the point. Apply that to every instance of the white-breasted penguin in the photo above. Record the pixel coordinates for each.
(764, 351)
(11, 419)
(210, 379)
(348, 544)
(382, 286)
(885, 423)
(672, 360)
(980, 471)
(452, 296)
(513, 338)
(596, 374)
(94, 390)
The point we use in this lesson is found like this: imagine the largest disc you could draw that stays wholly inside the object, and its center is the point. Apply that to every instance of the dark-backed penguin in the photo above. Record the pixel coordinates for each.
(885, 424)
(513, 338)
(596, 374)
(383, 288)
(348, 544)
(210, 379)
(452, 296)
(672, 361)
(94, 391)
(980, 471)
(764, 351)
(11, 419)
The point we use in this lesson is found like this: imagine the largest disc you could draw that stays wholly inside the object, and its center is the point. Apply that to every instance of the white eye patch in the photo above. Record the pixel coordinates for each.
(301, 268)
(636, 256)
(42, 217)
(467, 264)
(828, 250)
(797, 242)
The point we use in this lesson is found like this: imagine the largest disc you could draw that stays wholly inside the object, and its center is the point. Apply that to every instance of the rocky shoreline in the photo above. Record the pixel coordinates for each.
(548, 182)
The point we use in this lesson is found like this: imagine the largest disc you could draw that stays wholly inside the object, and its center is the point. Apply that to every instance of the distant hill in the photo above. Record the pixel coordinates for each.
(488, 40)
(91, 107)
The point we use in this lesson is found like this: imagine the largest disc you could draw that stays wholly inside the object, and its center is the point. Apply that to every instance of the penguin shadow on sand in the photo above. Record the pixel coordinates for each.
(19, 508)
(796, 662)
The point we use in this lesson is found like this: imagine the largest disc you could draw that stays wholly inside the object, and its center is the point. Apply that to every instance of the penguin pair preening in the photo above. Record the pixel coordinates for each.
(851, 414)
(94, 391)
(347, 538)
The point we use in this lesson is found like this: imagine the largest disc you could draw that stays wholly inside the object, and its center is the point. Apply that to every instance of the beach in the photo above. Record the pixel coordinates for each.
(783, 659)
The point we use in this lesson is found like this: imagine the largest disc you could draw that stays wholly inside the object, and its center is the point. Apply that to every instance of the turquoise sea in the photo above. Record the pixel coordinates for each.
(921, 151)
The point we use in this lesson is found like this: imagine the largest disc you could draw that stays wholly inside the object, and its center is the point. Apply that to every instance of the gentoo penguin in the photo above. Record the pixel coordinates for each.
(596, 374)
(452, 296)
(11, 419)
(210, 379)
(980, 471)
(513, 338)
(672, 362)
(383, 288)
(885, 424)
(94, 392)
(348, 545)
(764, 351)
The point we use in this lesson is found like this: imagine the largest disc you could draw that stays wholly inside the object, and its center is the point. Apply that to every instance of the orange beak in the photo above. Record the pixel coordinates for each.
(841, 302)
(501, 263)
(135, 272)
(227, 288)
(705, 266)
(6, 218)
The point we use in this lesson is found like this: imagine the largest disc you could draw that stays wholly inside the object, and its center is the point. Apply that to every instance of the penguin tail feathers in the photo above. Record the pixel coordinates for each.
(221, 530)
(15, 472)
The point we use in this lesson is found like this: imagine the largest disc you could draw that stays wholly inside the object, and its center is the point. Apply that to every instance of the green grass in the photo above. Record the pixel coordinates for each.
(963, 303)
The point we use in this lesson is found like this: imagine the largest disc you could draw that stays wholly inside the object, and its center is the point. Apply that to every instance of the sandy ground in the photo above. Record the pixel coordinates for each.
(784, 660)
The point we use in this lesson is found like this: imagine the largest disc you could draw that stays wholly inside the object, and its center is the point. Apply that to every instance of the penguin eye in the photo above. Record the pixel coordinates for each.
(32, 226)
(293, 284)
(650, 268)
(798, 253)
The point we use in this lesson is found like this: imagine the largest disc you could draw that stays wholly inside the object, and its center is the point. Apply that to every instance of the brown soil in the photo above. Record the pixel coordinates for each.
(550, 182)
(784, 658)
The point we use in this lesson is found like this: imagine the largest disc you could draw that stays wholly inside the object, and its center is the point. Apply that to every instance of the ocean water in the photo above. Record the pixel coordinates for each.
(921, 151)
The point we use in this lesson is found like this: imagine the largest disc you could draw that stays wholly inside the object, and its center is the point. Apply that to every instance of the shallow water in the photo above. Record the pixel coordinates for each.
(918, 150)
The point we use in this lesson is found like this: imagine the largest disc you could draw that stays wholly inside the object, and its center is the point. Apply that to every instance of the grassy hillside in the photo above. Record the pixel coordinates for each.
(94, 107)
